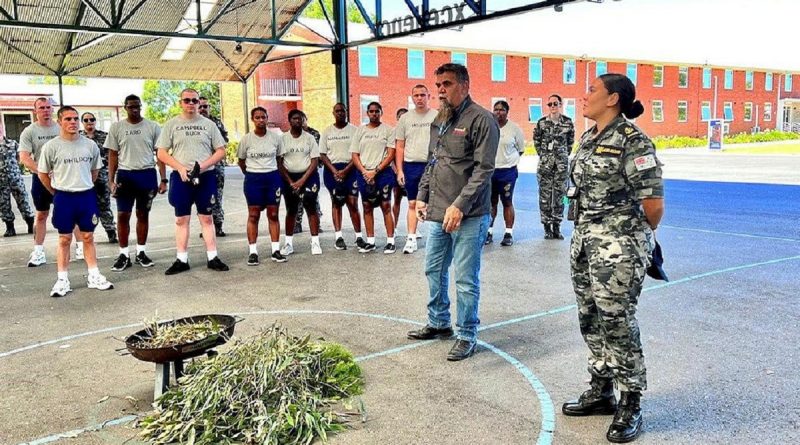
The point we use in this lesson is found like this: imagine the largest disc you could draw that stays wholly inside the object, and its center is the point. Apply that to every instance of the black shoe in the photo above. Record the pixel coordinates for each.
(461, 349)
(627, 423)
(507, 240)
(431, 333)
(360, 243)
(143, 260)
(389, 249)
(278, 257)
(177, 267)
(555, 229)
(252, 260)
(489, 239)
(10, 230)
(219, 232)
(217, 264)
(340, 244)
(548, 232)
(597, 400)
(123, 262)
(30, 220)
(112, 237)
(367, 248)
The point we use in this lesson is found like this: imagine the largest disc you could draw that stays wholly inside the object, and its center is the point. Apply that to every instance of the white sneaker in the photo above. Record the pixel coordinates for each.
(316, 249)
(287, 249)
(411, 246)
(61, 288)
(37, 259)
(99, 282)
(79, 252)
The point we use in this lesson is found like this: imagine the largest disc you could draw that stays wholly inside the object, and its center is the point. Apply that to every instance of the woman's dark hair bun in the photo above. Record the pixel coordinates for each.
(635, 110)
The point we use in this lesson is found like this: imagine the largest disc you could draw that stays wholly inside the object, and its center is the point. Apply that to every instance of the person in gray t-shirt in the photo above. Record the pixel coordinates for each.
(188, 143)
(67, 167)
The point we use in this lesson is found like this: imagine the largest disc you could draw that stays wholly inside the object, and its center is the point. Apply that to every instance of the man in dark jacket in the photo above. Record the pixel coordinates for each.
(454, 196)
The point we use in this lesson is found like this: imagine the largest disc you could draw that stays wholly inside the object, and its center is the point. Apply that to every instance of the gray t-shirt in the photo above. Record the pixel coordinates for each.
(512, 143)
(34, 136)
(415, 129)
(135, 143)
(298, 152)
(190, 140)
(335, 143)
(71, 163)
(260, 152)
(371, 144)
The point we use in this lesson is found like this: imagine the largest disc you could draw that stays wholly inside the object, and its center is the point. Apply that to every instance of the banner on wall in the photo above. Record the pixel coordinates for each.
(716, 132)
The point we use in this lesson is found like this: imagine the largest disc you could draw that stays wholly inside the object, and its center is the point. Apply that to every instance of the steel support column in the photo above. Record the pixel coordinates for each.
(60, 90)
(339, 53)
(245, 107)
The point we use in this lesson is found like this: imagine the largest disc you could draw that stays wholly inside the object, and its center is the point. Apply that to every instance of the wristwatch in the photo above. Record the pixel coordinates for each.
(165, 181)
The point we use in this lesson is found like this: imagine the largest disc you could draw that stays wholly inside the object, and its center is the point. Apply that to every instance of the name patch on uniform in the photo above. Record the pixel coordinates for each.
(459, 131)
(645, 162)
(607, 151)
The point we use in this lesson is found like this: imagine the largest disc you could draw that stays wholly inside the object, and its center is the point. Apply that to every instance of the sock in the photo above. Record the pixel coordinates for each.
(390, 239)
(412, 236)
(370, 240)
(94, 271)
(358, 235)
(489, 231)
(509, 231)
(141, 248)
(315, 239)
(183, 257)
(63, 275)
(338, 235)
(253, 248)
(276, 246)
(288, 240)
(124, 251)
(211, 254)
(38, 248)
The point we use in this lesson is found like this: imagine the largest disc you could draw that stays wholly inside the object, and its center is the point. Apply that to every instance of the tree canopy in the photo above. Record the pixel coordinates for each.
(314, 11)
(161, 97)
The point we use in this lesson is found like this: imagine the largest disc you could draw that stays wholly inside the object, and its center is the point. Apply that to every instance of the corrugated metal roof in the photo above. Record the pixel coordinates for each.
(68, 37)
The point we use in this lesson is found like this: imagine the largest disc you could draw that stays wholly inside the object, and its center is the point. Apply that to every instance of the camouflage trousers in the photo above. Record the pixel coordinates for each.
(11, 184)
(104, 201)
(552, 177)
(608, 268)
(217, 212)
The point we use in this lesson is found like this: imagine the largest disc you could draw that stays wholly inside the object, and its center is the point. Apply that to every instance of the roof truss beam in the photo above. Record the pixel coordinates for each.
(97, 12)
(13, 15)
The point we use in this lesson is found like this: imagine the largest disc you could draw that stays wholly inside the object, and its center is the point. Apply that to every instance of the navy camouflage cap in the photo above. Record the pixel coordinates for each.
(656, 269)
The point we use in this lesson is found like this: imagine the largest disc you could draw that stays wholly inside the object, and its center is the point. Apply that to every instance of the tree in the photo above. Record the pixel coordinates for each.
(161, 97)
(314, 11)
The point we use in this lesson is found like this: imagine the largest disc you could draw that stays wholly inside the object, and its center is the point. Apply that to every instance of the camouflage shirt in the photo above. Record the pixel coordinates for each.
(100, 139)
(553, 137)
(8, 154)
(614, 171)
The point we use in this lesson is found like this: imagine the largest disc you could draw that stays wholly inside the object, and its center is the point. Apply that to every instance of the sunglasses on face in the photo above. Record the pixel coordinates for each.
(188, 100)
(203, 106)
(553, 104)
(89, 119)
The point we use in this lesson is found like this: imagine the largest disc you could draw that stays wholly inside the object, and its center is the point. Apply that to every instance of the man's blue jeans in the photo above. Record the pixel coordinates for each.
(464, 248)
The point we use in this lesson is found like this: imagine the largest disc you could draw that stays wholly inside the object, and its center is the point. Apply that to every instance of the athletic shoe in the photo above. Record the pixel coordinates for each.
(37, 259)
(340, 244)
(177, 267)
(410, 247)
(389, 249)
(143, 260)
(98, 282)
(488, 239)
(360, 243)
(316, 249)
(367, 248)
(278, 257)
(61, 288)
(507, 240)
(419, 236)
(79, 252)
(287, 250)
(122, 263)
(252, 260)
(217, 264)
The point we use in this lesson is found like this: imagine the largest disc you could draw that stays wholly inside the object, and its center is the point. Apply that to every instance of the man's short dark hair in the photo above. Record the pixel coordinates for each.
(419, 85)
(64, 109)
(130, 97)
(295, 112)
(460, 71)
(253, 111)
(202, 98)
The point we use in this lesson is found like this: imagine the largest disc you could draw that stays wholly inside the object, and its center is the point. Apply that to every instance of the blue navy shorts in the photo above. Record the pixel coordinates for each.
(42, 199)
(340, 191)
(381, 190)
(262, 189)
(136, 187)
(503, 182)
(72, 209)
(182, 195)
(413, 173)
(307, 193)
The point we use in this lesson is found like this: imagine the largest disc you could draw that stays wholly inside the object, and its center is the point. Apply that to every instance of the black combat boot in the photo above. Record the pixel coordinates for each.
(112, 236)
(599, 399)
(548, 231)
(218, 230)
(556, 231)
(627, 423)
(10, 231)
(30, 220)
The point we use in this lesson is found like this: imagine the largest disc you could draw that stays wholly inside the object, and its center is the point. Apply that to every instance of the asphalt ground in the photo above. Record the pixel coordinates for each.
(720, 339)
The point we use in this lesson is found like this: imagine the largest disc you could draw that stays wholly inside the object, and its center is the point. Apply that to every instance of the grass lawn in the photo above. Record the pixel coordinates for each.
(789, 148)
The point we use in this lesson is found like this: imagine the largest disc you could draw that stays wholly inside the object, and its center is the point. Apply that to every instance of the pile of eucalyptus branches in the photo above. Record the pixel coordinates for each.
(273, 388)
(162, 335)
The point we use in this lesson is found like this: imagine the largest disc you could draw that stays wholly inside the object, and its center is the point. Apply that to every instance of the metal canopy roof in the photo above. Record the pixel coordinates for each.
(126, 39)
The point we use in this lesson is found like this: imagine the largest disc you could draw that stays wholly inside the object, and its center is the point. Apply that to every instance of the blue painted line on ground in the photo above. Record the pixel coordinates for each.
(79, 431)
(396, 350)
(67, 338)
(740, 234)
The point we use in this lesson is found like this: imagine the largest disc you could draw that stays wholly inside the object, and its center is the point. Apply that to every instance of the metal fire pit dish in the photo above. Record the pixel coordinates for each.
(182, 351)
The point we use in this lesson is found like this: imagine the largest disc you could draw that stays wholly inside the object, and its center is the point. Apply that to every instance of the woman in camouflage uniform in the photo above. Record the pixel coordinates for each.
(616, 201)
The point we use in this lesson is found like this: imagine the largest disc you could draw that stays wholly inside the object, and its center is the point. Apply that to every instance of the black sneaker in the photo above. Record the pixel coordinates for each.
(360, 243)
(252, 260)
(218, 265)
(278, 257)
(367, 248)
(461, 349)
(389, 249)
(340, 244)
(507, 240)
(143, 260)
(177, 267)
(122, 263)
(488, 239)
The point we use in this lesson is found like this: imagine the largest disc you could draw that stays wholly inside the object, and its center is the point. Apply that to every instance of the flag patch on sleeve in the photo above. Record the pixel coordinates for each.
(645, 162)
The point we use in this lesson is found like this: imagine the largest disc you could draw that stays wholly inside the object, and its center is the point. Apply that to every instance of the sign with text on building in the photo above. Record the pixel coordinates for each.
(436, 16)
(716, 132)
